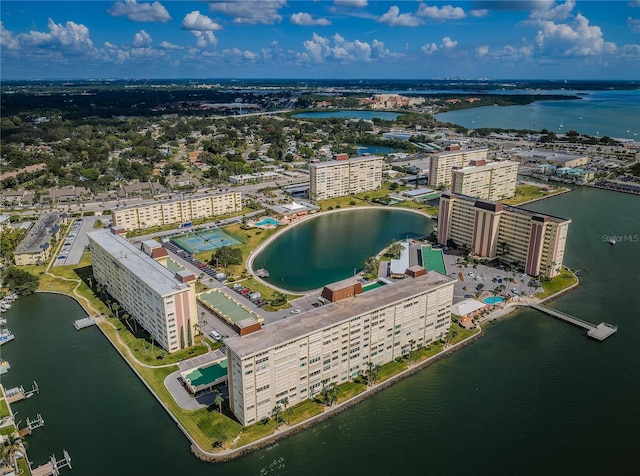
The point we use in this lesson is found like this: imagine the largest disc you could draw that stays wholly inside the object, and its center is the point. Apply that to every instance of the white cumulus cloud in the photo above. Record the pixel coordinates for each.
(165, 45)
(250, 11)
(429, 48)
(393, 17)
(196, 21)
(304, 19)
(448, 43)
(142, 39)
(552, 12)
(351, 3)
(7, 40)
(576, 39)
(135, 11)
(479, 13)
(482, 51)
(446, 12)
(319, 49)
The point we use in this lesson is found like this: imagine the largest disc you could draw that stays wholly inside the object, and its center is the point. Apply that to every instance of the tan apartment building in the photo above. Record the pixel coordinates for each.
(176, 211)
(344, 176)
(293, 358)
(493, 230)
(442, 164)
(161, 301)
(35, 247)
(486, 180)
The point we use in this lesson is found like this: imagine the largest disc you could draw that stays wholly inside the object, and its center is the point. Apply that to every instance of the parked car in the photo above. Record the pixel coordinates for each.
(215, 335)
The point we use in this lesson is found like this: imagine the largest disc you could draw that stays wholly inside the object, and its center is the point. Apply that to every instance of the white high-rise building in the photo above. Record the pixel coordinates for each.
(293, 358)
(163, 302)
(442, 164)
(492, 230)
(489, 181)
(344, 176)
(176, 211)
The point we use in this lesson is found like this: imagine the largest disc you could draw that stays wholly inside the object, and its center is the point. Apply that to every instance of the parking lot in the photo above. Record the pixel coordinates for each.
(75, 242)
(491, 277)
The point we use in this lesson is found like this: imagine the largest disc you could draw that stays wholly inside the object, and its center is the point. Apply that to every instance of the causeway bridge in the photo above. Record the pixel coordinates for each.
(599, 332)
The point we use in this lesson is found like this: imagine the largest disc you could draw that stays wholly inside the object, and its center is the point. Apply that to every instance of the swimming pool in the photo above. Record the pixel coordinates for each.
(493, 300)
(268, 221)
(372, 286)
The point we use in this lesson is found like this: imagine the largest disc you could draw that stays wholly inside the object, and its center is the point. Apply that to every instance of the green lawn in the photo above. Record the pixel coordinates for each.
(525, 193)
(390, 369)
(349, 390)
(562, 281)
(4, 408)
(304, 410)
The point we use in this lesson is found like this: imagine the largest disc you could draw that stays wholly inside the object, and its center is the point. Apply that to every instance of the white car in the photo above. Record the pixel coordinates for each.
(295, 311)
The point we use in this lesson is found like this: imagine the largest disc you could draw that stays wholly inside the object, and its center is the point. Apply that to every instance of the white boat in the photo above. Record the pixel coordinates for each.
(612, 241)
(5, 336)
(4, 367)
(3, 321)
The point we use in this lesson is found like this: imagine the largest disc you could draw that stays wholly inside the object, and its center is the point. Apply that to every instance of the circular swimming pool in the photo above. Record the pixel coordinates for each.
(493, 300)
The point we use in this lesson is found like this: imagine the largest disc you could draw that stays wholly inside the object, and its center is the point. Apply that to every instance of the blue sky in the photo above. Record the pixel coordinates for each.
(514, 39)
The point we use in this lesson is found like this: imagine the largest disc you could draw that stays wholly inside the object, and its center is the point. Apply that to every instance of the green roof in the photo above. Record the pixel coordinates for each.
(433, 260)
(207, 375)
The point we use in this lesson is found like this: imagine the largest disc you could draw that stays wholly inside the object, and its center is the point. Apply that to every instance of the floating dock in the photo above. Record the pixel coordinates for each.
(599, 332)
(84, 323)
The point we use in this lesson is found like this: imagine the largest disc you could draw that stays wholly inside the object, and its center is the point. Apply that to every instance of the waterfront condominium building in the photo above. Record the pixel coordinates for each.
(293, 358)
(163, 302)
(35, 247)
(492, 230)
(176, 211)
(443, 163)
(488, 181)
(344, 176)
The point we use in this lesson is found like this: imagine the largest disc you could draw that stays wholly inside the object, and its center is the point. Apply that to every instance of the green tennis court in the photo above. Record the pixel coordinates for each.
(433, 260)
(204, 240)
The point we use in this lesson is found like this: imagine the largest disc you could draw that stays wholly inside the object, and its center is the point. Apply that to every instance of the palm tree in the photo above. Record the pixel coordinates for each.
(372, 373)
(11, 444)
(219, 400)
(275, 413)
(116, 308)
(285, 404)
(412, 346)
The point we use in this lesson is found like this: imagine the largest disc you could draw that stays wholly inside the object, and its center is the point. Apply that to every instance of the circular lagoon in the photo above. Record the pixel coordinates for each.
(332, 246)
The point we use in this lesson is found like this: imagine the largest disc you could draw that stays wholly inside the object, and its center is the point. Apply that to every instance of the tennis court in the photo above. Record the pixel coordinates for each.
(204, 240)
(433, 260)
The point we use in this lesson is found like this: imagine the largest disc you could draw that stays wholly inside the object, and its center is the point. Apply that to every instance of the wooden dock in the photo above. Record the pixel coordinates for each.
(16, 394)
(599, 332)
(84, 323)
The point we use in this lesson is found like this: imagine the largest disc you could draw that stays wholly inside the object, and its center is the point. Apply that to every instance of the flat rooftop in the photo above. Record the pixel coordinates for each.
(227, 306)
(519, 210)
(331, 163)
(488, 166)
(148, 270)
(317, 319)
(207, 374)
(38, 237)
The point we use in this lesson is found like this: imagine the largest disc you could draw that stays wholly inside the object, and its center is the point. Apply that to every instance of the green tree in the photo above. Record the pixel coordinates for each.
(10, 445)
(371, 373)
(19, 281)
(227, 255)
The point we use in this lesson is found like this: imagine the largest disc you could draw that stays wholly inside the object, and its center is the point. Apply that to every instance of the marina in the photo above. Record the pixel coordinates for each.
(16, 394)
(6, 336)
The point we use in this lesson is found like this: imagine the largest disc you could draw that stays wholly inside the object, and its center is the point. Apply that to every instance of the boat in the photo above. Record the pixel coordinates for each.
(4, 367)
(612, 241)
(5, 336)
(3, 321)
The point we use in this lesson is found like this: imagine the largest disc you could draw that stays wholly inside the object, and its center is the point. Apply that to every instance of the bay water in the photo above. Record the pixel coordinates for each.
(534, 396)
